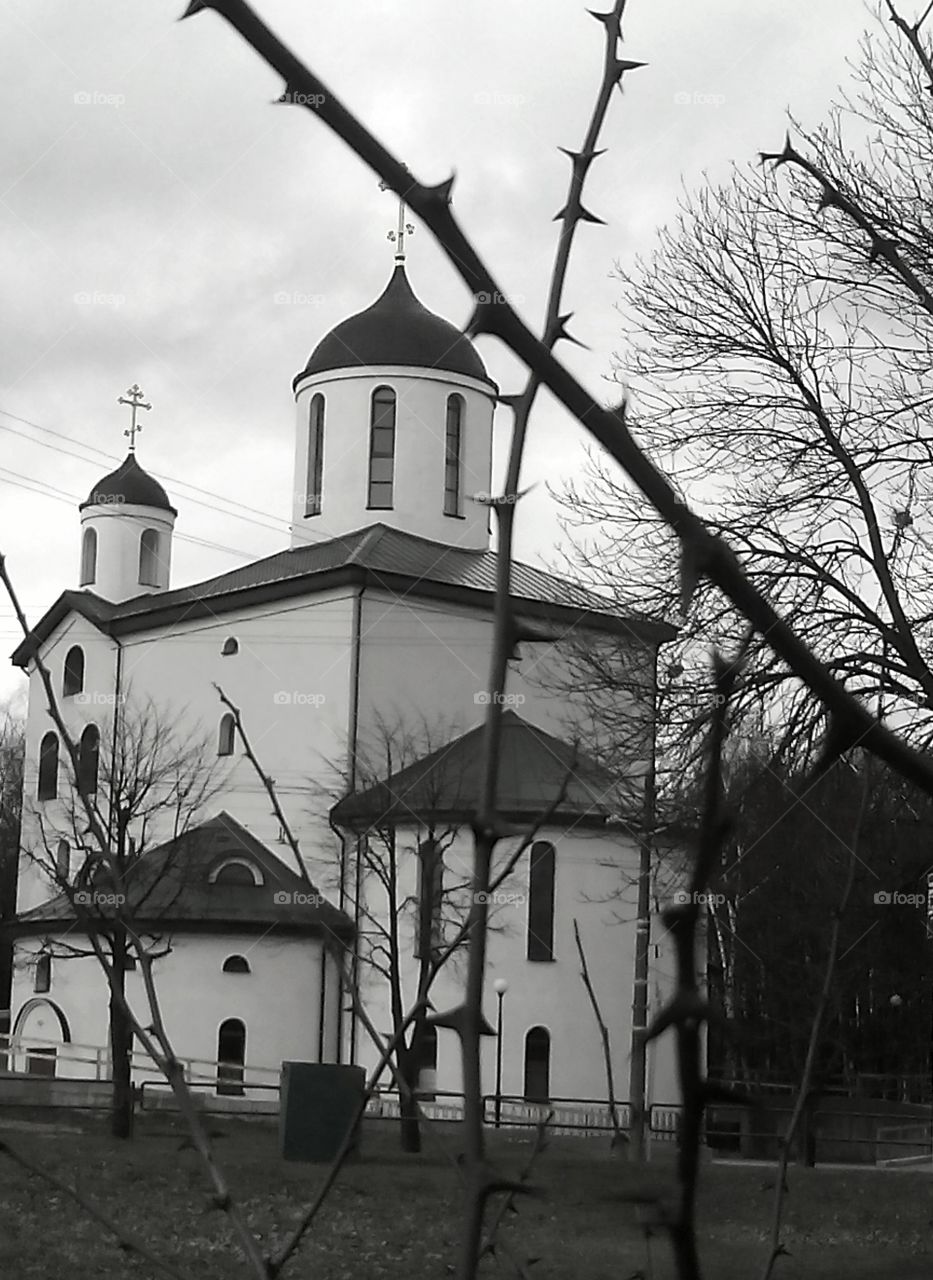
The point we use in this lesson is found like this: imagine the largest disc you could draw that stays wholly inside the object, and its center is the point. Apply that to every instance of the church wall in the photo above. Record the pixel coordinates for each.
(595, 883)
(95, 705)
(278, 1001)
(291, 680)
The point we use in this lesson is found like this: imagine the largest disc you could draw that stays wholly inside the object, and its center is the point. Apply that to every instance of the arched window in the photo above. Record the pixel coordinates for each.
(236, 964)
(430, 903)
(231, 646)
(541, 902)
(226, 736)
(538, 1065)
(149, 567)
(231, 1055)
(453, 457)
(427, 1064)
(315, 476)
(63, 862)
(73, 677)
(43, 974)
(236, 871)
(88, 760)
(382, 450)
(48, 767)
(88, 558)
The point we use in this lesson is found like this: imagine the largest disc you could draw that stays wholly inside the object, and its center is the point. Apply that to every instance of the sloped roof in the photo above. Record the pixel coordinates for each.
(130, 484)
(376, 556)
(169, 888)
(446, 783)
(397, 329)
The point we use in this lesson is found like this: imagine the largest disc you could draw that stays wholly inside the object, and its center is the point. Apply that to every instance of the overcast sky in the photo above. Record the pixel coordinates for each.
(155, 210)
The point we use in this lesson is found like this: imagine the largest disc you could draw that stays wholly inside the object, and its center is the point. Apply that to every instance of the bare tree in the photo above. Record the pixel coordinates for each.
(12, 755)
(780, 375)
(148, 780)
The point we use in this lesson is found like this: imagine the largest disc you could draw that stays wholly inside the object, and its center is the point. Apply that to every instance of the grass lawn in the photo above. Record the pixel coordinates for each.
(396, 1216)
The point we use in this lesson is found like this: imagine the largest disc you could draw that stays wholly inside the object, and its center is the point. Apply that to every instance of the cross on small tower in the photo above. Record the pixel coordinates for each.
(404, 228)
(134, 398)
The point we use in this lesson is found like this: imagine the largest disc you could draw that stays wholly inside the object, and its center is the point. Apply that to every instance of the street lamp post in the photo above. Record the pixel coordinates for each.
(500, 986)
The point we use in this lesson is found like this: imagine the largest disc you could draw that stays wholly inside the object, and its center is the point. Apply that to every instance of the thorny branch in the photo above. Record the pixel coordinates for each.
(703, 553)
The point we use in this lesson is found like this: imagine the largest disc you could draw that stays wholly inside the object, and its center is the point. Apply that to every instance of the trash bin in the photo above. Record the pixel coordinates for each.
(318, 1104)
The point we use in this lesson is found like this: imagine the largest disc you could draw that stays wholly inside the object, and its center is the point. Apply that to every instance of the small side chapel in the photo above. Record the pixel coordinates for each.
(375, 621)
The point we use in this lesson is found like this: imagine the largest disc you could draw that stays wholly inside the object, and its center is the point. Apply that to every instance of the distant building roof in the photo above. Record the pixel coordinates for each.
(375, 557)
(170, 887)
(398, 329)
(535, 769)
(129, 484)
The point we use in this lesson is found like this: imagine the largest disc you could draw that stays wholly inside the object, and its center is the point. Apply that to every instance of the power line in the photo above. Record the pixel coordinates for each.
(30, 483)
(280, 525)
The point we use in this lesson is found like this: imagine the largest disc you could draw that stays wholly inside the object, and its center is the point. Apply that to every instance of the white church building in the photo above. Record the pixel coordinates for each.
(358, 658)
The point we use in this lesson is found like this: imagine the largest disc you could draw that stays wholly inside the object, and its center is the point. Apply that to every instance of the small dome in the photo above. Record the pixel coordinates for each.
(397, 330)
(129, 484)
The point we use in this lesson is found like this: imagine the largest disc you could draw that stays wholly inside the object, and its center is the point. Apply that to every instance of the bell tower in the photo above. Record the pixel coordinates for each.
(127, 523)
(394, 424)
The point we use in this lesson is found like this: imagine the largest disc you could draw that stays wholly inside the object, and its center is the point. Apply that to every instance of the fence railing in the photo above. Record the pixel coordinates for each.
(32, 1055)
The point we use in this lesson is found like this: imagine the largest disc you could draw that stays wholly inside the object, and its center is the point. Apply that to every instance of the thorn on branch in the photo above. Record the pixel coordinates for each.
(558, 331)
(777, 158)
(440, 193)
(195, 7)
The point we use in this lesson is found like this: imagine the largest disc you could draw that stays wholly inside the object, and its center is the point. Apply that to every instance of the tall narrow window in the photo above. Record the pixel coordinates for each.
(88, 558)
(430, 898)
(43, 974)
(62, 862)
(382, 450)
(541, 902)
(427, 1064)
(88, 760)
(453, 458)
(225, 737)
(231, 1055)
(149, 575)
(48, 768)
(315, 477)
(73, 678)
(538, 1065)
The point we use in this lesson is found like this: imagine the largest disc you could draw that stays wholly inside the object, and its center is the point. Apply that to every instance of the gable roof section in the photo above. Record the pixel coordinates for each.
(377, 557)
(169, 888)
(445, 784)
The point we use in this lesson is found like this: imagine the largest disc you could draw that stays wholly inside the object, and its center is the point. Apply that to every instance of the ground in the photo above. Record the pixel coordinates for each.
(396, 1216)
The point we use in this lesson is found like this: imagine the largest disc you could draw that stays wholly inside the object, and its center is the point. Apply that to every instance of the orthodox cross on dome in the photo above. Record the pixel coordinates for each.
(134, 398)
(404, 228)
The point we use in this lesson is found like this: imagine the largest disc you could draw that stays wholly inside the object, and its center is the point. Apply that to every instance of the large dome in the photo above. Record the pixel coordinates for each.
(129, 484)
(397, 330)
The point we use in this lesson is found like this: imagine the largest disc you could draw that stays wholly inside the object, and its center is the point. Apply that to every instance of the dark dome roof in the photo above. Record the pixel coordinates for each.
(397, 330)
(129, 483)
